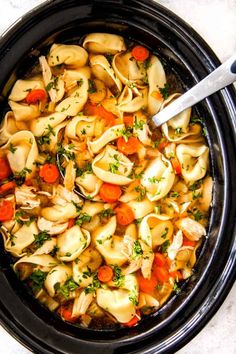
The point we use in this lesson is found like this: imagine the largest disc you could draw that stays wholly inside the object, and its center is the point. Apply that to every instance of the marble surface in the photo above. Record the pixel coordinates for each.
(215, 21)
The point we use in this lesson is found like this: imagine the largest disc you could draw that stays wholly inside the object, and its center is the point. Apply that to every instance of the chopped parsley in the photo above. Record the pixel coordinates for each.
(21, 214)
(12, 148)
(118, 278)
(174, 194)
(176, 288)
(197, 214)
(37, 279)
(80, 82)
(141, 191)
(20, 176)
(165, 233)
(86, 169)
(52, 84)
(138, 124)
(204, 131)
(126, 133)
(46, 138)
(147, 64)
(195, 120)
(165, 91)
(92, 287)
(65, 290)
(92, 86)
(113, 167)
(107, 213)
(137, 249)
(83, 217)
(178, 130)
(40, 238)
(164, 247)
(66, 152)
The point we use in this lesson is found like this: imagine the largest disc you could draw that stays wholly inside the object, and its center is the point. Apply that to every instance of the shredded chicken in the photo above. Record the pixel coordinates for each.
(26, 197)
(53, 228)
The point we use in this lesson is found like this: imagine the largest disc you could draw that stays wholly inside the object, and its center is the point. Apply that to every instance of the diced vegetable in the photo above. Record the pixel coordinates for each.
(128, 147)
(110, 193)
(124, 214)
(6, 211)
(36, 95)
(49, 173)
(105, 274)
(5, 169)
(140, 53)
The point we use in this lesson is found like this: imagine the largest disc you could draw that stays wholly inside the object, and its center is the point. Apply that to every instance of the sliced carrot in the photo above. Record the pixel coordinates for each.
(147, 285)
(110, 193)
(128, 120)
(187, 242)
(160, 140)
(161, 274)
(140, 53)
(128, 147)
(98, 110)
(105, 274)
(90, 109)
(5, 169)
(133, 320)
(160, 260)
(71, 222)
(65, 311)
(124, 214)
(7, 187)
(157, 95)
(29, 182)
(49, 173)
(176, 275)
(36, 95)
(6, 211)
(109, 117)
(176, 165)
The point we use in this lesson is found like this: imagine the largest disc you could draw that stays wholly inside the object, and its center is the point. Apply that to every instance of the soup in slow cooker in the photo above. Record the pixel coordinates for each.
(102, 215)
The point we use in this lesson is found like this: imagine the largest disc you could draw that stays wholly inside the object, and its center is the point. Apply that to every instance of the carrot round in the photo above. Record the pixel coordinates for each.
(49, 173)
(6, 211)
(124, 214)
(159, 260)
(187, 242)
(108, 116)
(128, 120)
(176, 165)
(92, 109)
(133, 320)
(176, 275)
(140, 53)
(161, 274)
(105, 274)
(147, 285)
(110, 193)
(128, 147)
(65, 311)
(7, 187)
(36, 95)
(5, 169)
(71, 223)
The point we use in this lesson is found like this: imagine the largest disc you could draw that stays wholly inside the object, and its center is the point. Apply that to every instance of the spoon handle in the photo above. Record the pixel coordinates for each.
(223, 76)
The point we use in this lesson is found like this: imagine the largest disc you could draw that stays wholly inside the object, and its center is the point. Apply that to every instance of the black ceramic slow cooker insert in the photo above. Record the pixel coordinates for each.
(187, 56)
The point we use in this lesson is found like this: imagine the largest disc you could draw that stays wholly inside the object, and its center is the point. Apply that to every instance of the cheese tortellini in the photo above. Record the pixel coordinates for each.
(101, 214)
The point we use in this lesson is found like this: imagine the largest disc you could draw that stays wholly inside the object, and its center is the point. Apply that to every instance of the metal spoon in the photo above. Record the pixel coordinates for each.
(223, 76)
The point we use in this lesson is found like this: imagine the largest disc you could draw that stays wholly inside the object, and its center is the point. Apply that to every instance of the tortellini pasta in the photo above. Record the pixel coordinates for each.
(102, 214)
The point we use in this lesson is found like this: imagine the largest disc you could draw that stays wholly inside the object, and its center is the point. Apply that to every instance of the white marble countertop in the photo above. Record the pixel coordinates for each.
(215, 21)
